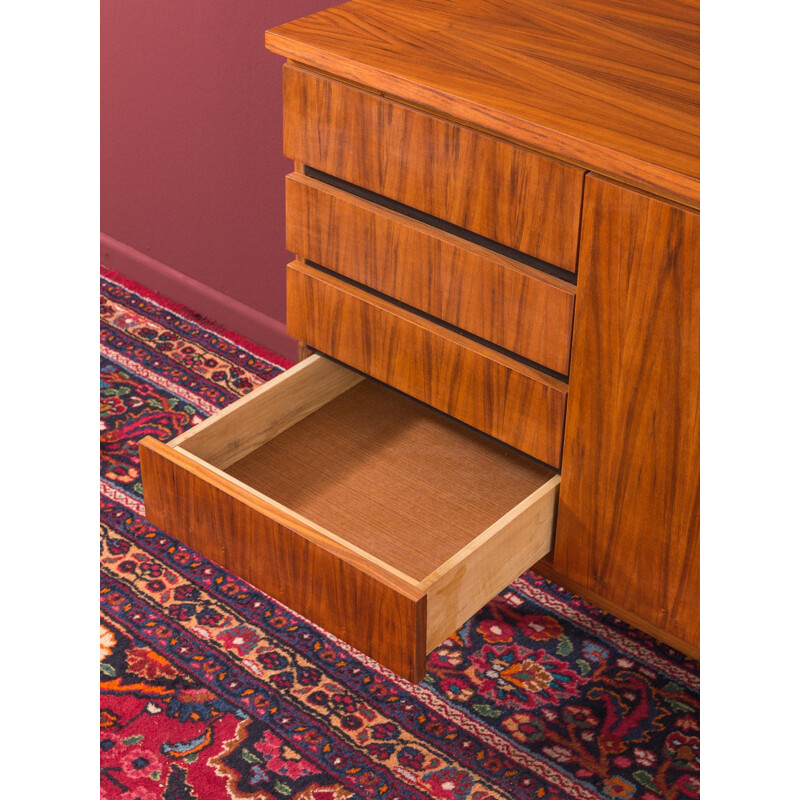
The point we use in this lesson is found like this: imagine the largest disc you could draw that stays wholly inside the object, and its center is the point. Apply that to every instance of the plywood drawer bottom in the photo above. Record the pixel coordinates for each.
(375, 516)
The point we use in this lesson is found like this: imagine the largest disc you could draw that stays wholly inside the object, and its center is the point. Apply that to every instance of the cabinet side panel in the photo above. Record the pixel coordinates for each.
(628, 521)
(385, 623)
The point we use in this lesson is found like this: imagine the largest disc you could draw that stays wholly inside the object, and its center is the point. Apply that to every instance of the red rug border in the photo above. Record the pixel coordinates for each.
(196, 316)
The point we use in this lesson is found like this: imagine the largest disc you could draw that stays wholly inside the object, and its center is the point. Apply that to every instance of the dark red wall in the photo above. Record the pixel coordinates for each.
(191, 164)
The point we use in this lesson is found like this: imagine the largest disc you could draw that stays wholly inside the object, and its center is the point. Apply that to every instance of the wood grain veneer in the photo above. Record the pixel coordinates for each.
(396, 478)
(612, 85)
(436, 166)
(545, 568)
(486, 389)
(628, 524)
(493, 297)
(351, 597)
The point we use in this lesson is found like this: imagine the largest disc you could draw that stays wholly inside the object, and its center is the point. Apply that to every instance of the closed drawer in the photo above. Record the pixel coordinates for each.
(490, 391)
(468, 286)
(474, 180)
(374, 516)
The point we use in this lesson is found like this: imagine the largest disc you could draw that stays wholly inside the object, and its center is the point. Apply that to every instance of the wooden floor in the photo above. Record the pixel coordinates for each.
(392, 476)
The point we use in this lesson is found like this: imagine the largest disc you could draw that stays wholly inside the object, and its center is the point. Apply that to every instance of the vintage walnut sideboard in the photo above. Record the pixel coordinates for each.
(494, 208)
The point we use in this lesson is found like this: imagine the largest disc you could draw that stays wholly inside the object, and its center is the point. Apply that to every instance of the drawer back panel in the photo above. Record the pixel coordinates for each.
(482, 387)
(491, 187)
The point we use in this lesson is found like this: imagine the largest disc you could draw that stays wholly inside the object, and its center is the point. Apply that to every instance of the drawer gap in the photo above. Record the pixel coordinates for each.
(551, 373)
(408, 398)
(443, 225)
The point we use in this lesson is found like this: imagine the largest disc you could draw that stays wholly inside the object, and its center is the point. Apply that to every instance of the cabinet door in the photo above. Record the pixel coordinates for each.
(628, 524)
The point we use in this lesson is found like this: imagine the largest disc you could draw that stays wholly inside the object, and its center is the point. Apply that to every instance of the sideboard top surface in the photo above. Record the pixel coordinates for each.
(610, 85)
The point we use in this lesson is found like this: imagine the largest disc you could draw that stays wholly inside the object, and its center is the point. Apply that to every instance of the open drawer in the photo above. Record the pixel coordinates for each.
(375, 516)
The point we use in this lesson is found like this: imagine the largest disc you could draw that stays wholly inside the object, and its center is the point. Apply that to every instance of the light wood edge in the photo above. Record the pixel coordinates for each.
(546, 569)
(431, 232)
(409, 317)
(544, 141)
(181, 439)
(267, 411)
(469, 579)
(209, 474)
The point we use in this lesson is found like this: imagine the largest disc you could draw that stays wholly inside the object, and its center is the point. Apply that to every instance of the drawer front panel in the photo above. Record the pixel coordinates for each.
(461, 283)
(494, 188)
(372, 611)
(473, 383)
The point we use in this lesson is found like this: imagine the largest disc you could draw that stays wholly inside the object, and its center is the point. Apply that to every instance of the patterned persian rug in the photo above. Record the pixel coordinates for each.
(210, 689)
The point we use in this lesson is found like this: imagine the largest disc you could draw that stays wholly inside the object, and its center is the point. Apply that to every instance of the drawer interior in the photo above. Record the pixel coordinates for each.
(395, 478)
(398, 479)
(386, 484)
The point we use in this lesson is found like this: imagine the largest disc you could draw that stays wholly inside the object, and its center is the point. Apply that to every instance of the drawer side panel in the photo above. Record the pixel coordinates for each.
(366, 610)
(484, 568)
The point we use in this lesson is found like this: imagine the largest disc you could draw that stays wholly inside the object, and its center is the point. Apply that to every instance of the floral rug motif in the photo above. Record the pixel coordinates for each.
(211, 689)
